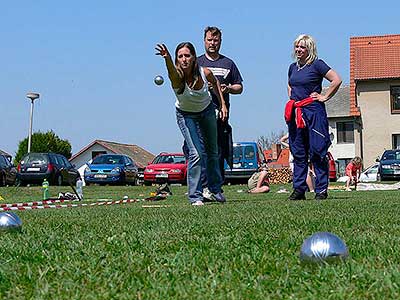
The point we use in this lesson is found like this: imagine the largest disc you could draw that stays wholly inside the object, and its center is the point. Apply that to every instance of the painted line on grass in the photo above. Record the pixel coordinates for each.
(70, 205)
(50, 201)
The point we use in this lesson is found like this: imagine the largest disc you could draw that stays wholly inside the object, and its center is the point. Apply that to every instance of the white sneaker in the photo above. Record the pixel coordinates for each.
(198, 203)
(348, 189)
(207, 195)
(219, 197)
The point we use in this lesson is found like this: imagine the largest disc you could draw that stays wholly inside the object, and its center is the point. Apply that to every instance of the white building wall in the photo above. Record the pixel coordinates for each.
(340, 151)
(84, 157)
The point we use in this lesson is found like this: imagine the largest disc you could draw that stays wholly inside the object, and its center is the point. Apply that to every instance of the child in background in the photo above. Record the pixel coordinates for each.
(259, 181)
(353, 170)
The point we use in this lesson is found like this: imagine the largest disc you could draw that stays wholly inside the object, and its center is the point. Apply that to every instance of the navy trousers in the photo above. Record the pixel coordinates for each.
(310, 144)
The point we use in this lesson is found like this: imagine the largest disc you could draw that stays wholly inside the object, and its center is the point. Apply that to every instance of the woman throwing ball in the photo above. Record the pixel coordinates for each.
(196, 117)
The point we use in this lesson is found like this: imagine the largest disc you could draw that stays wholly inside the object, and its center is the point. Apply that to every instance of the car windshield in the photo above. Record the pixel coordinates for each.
(35, 158)
(108, 160)
(170, 159)
(249, 152)
(391, 155)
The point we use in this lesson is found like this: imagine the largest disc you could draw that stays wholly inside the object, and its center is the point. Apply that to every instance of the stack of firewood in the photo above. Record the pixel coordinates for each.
(279, 176)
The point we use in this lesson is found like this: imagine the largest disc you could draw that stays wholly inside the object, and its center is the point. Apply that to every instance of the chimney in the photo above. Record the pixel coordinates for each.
(276, 151)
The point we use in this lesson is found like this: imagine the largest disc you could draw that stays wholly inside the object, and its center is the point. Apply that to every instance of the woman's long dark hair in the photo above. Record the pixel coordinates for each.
(195, 68)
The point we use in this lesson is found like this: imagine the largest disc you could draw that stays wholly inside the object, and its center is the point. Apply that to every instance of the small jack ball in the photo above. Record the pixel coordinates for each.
(159, 80)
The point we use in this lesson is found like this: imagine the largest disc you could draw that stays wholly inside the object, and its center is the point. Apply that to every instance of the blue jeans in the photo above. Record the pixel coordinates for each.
(199, 128)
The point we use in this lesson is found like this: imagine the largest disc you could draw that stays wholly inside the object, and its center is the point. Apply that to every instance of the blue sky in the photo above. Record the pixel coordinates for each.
(93, 62)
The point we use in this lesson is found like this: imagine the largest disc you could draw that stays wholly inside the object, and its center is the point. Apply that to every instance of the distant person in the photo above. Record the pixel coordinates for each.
(259, 181)
(310, 174)
(285, 142)
(353, 171)
(310, 178)
(229, 76)
(306, 117)
(196, 116)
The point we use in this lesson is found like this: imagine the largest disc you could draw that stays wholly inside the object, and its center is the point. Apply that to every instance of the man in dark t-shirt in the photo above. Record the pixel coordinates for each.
(231, 83)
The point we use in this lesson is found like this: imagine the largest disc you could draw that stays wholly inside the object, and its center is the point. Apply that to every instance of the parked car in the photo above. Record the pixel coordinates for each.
(370, 174)
(246, 160)
(389, 165)
(35, 167)
(8, 173)
(166, 167)
(332, 167)
(111, 169)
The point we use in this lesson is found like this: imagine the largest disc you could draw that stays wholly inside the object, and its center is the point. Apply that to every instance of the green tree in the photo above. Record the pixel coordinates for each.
(44, 142)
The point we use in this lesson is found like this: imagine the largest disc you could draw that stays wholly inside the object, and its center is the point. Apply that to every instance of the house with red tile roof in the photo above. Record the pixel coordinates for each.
(140, 156)
(375, 94)
(277, 157)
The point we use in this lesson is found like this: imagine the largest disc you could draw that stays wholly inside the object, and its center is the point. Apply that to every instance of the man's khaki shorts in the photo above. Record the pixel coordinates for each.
(252, 182)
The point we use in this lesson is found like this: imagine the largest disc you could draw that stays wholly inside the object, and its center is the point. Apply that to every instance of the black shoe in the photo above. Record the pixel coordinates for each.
(296, 195)
(321, 196)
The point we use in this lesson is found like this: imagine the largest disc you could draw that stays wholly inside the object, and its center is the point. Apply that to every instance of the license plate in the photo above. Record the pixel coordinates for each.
(396, 172)
(164, 175)
(238, 165)
(100, 176)
(33, 169)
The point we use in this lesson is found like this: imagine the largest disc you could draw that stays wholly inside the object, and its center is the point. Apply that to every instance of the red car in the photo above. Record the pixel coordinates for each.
(166, 167)
(332, 167)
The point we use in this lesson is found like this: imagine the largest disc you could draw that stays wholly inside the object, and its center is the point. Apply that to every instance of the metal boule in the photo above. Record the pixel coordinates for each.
(323, 247)
(10, 222)
(159, 80)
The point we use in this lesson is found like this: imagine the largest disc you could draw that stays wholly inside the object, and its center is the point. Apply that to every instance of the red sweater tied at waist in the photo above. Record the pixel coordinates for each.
(297, 105)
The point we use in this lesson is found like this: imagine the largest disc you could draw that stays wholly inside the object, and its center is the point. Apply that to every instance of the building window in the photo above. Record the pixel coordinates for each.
(341, 165)
(345, 132)
(96, 153)
(395, 99)
(396, 141)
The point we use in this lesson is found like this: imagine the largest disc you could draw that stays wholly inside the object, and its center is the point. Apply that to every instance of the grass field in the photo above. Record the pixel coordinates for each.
(245, 249)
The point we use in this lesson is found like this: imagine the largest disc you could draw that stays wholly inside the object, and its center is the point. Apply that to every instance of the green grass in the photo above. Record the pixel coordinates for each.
(245, 249)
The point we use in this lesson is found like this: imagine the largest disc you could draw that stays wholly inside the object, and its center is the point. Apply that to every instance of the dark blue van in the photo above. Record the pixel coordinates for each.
(247, 157)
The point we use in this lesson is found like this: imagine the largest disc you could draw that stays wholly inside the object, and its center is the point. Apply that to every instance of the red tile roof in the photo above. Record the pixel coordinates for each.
(282, 161)
(377, 62)
(372, 57)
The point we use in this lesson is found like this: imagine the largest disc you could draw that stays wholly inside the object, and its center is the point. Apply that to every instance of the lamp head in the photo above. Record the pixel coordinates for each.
(33, 96)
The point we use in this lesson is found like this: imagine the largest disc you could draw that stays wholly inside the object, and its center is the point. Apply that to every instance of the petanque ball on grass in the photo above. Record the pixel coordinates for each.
(10, 222)
(159, 80)
(323, 247)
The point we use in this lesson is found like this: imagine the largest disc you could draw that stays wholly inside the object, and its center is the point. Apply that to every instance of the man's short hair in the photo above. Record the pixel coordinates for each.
(214, 31)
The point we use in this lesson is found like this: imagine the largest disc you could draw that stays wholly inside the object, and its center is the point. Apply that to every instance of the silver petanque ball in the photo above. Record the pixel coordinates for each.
(159, 80)
(9, 221)
(323, 247)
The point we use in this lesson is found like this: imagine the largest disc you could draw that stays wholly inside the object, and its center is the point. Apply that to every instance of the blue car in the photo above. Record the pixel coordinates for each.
(246, 160)
(389, 165)
(112, 169)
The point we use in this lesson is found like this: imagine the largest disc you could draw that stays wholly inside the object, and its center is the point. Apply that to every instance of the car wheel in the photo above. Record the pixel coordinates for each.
(59, 180)
(19, 182)
(3, 180)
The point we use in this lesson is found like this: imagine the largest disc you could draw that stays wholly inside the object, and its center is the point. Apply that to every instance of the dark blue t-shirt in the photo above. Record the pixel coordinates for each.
(225, 70)
(307, 80)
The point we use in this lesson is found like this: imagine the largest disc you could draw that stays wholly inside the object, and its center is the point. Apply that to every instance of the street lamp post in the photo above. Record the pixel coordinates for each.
(32, 97)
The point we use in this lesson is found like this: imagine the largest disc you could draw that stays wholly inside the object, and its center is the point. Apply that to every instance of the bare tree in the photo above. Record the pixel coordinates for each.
(266, 141)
